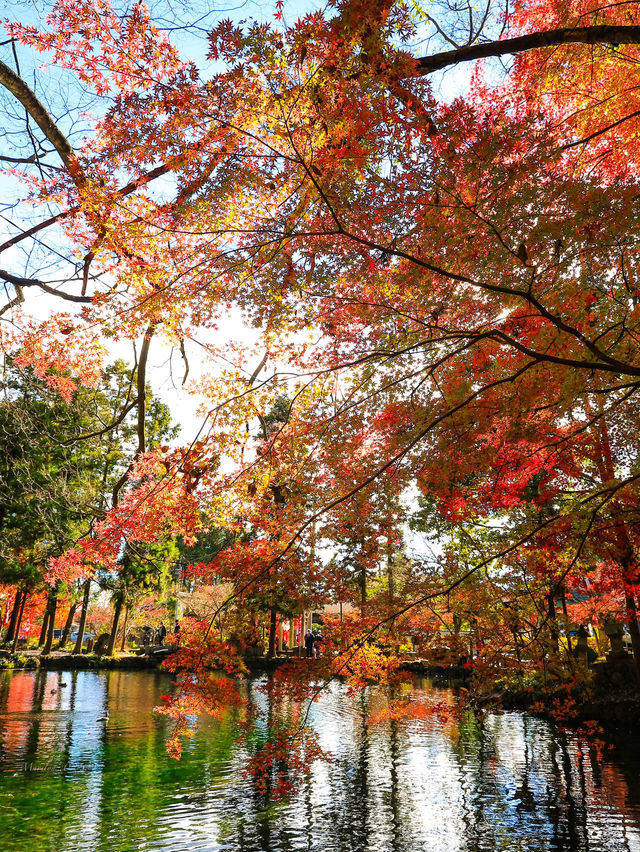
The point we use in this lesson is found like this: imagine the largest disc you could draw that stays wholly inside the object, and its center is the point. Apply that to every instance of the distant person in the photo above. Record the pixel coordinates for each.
(309, 640)
(146, 636)
(162, 632)
(176, 627)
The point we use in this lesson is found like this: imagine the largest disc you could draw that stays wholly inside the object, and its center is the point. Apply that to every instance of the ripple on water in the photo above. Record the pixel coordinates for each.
(72, 783)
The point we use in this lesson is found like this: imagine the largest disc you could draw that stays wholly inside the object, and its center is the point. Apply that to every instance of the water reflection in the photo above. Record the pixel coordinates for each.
(71, 780)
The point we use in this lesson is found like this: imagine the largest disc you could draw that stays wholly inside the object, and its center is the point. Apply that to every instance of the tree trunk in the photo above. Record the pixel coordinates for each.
(553, 625)
(3, 615)
(563, 600)
(626, 551)
(52, 623)
(391, 584)
(124, 628)
(67, 625)
(114, 626)
(18, 623)
(632, 624)
(83, 617)
(45, 622)
(14, 615)
(601, 641)
(272, 633)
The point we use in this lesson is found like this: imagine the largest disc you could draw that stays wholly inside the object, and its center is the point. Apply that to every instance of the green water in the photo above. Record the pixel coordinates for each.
(71, 782)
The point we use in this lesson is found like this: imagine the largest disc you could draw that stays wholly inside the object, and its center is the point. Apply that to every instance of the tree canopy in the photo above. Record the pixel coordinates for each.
(445, 288)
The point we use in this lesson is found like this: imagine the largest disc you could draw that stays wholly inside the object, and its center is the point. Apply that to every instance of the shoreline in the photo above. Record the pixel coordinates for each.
(617, 713)
(29, 660)
(55, 662)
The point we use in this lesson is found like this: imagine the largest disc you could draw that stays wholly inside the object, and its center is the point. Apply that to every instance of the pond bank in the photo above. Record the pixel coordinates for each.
(58, 661)
(616, 712)
(256, 665)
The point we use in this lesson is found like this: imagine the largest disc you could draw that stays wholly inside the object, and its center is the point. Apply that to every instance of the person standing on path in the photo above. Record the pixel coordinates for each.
(309, 639)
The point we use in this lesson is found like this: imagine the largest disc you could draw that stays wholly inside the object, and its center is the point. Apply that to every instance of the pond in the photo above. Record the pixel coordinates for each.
(70, 782)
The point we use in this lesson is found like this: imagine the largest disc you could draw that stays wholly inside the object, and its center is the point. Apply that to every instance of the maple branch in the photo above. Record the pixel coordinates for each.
(30, 159)
(17, 300)
(183, 352)
(257, 370)
(141, 385)
(39, 113)
(607, 362)
(360, 642)
(600, 132)
(130, 187)
(145, 178)
(118, 420)
(602, 34)
(23, 235)
(17, 281)
(140, 404)
(619, 367)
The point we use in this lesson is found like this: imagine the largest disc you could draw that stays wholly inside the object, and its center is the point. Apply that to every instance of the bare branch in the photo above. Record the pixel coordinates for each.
(17, 300)
(600, 132)
(36, 109)
(17, 281)
(603, 34)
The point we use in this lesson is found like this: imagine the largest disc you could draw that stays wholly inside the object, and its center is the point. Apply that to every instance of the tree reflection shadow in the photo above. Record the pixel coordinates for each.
(508, 782)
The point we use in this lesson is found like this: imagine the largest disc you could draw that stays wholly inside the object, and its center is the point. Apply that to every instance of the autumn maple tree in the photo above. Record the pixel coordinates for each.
(445, 290)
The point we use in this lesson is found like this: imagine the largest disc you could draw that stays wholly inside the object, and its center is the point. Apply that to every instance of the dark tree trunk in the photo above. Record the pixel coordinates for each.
(67, 625)
(3, 614)
(83, 618)
(553, 624)
(626, 552)
(45, 622)
(114, 626)
(124, 628)
(52, 623)
(19, 622)
(272, 633)
(391, 583)
(14, 615)
(632, 624)
(563, 598)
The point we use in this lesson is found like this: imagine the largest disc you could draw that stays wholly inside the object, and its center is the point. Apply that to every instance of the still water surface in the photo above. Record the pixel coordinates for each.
(71, 783)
